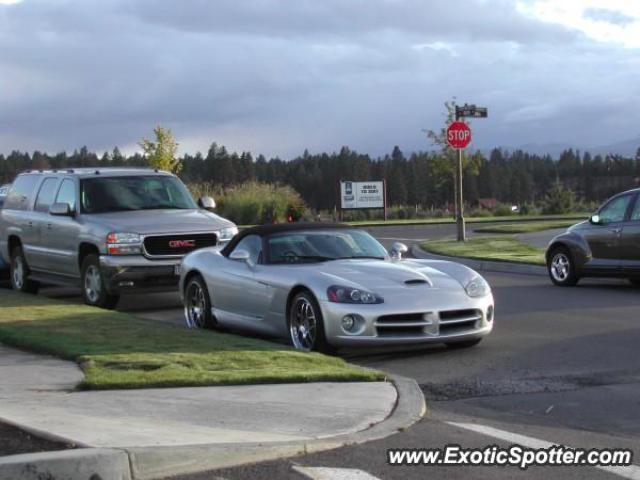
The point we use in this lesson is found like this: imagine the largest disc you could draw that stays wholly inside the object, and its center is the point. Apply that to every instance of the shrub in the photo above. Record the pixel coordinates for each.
(559, 200)
(502, 210)
(479, 212)
(254, 203)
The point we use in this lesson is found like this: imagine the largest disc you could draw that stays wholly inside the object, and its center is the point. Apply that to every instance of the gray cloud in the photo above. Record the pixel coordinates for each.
(278, 76)
(497, 20)
(608, 16)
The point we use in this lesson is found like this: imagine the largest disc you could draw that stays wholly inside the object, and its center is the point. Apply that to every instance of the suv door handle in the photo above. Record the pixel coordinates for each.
(617, 230)
(49, 225)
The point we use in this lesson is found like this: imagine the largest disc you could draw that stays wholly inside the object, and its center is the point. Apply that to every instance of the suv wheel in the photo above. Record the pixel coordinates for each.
(19, 272)
(562, 268)
(94, 290)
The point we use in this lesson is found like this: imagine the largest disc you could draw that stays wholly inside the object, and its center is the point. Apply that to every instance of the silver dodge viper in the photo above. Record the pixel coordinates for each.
(323, 286)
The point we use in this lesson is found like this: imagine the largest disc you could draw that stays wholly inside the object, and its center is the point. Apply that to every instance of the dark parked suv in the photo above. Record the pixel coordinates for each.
(606, 245)
(110, 231)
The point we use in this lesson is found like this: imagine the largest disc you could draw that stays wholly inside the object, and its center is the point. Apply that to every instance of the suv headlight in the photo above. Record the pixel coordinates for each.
(124, 244)
(338, 294)
(226, 234)
(477, 287)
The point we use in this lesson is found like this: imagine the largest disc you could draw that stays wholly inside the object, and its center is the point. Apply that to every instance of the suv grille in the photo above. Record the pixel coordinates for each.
(169, 245)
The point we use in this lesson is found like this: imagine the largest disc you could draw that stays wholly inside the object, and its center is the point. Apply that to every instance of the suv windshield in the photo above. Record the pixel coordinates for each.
(115, 194)
(320, 246)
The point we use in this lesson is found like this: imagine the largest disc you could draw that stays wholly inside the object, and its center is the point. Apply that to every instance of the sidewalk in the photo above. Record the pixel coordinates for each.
(37, 391)
(152, 433)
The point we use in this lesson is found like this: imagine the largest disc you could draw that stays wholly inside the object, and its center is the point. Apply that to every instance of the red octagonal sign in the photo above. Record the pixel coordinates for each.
(458, 135)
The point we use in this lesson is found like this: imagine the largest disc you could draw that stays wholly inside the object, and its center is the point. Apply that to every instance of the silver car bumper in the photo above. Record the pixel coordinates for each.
(394, 324)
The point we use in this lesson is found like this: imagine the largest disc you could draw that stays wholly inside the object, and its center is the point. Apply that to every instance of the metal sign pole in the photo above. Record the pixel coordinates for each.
(384, 197)
(465, 111)
(462, 236)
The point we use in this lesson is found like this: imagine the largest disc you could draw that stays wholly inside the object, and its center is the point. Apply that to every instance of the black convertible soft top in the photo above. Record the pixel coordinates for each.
(269, 229)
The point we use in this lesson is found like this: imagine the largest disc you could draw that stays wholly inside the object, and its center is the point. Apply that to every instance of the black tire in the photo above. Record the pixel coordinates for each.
(464, 344)
(562, 268)
(318, 342)
(197, 304)
(19, 273)
(94, 289)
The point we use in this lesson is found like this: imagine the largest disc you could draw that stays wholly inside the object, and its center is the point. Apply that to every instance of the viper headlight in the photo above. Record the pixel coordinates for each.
(338, 294)
(477, 287)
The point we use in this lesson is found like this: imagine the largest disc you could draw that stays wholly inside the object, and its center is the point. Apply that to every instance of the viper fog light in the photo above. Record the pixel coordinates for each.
(348, 323)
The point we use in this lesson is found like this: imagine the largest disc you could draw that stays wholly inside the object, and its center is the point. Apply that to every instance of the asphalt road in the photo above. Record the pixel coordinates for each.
(561, 366)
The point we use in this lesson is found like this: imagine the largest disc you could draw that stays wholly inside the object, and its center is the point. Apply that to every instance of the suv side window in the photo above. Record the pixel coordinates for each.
(20, 194)
(67, 193)
(615, 210)
(253, 245)
(46, 194)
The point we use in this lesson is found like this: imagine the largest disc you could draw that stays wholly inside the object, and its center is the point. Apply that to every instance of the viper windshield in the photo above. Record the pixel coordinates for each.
(116, 194)
(321, 246)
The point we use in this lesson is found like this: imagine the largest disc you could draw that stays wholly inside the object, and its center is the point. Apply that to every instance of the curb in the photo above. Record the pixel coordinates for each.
(85, 464)
(43, 434)
(149, 463)
(484, 265)
(146, 463)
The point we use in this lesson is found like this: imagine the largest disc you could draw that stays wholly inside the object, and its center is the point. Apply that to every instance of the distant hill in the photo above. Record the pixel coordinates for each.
(626, 148)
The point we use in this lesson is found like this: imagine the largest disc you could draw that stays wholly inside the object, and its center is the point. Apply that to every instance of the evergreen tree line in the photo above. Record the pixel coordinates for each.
(513, 177)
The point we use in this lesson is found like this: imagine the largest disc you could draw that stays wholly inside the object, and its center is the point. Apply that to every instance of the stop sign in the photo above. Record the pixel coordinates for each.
(458, 135)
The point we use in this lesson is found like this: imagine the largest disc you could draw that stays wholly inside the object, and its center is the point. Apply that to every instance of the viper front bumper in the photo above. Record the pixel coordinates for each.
(446, 321)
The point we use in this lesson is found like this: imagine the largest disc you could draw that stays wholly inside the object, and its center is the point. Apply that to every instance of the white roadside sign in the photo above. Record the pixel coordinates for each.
(361, 195)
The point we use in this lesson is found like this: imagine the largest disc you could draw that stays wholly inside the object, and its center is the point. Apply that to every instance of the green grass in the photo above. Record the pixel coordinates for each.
(571, 218)
(526, 227)
(116, 350)
(505, 248)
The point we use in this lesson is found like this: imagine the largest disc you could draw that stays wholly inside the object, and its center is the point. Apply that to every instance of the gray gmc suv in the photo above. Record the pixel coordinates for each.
(110, 231)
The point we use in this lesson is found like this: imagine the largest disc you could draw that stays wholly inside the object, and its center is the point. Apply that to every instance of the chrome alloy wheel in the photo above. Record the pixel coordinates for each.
(18, 272)
(92, 284)
(560, 267)
(303, 324)
(195, 306)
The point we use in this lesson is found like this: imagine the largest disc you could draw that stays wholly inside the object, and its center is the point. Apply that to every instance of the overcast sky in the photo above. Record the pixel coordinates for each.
(279, 76)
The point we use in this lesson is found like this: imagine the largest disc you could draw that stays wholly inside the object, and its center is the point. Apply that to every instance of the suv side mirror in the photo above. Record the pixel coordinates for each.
(61, 210)
(207, 203)
(595, 219)
(397, 249)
